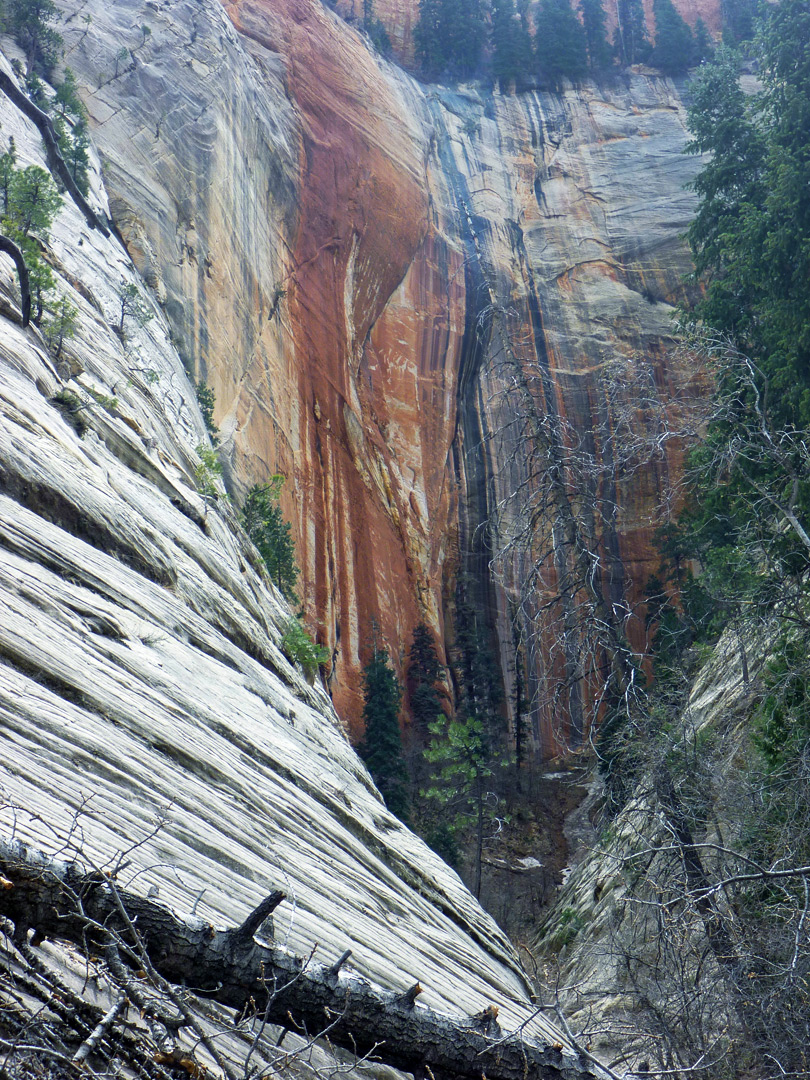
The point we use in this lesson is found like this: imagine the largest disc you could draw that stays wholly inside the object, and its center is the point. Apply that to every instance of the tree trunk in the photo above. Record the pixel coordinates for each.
(64, 901)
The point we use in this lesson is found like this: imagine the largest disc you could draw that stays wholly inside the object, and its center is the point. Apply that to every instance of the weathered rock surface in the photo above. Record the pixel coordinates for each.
(324, 233)
(144, 703)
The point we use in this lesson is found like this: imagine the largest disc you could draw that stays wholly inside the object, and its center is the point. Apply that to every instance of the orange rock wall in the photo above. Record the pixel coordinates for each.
(328, 238)
(414, 213)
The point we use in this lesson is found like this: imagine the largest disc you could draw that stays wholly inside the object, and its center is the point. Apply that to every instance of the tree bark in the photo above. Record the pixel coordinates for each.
(10, 248)
(64, 901)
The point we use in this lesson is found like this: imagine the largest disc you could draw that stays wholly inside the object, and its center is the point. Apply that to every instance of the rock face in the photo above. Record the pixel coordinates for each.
(329, 240)
(144, 703)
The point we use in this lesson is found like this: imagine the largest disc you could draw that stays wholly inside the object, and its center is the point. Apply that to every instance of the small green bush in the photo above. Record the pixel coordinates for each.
(298, 646)
(206, 399)
(206, 471)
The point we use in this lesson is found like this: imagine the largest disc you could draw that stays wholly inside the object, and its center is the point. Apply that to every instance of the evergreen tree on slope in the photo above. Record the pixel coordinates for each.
(600, 56)
(674, 49)
(560, 43)
(381, 748)
(630, 40)
(511, 45)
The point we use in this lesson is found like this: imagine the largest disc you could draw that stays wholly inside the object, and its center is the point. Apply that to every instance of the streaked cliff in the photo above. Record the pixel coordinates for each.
(325, 233)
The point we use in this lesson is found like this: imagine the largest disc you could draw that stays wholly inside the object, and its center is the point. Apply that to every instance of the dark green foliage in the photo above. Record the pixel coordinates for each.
(206, 471)
(477, 670)
(704, 46)
(206, 399)
(272, 535)
(560, 43)
(70, 123)
(462, 767)
(132, 306)
(465, 752)
(375, 29)
(674, 49)
(630, 41)
(29, 23)
(423, 675)
(751, 237)
(738, 20)
(298, 646)
(8, 164)
(512, 56)
(30, 203)
(449, 37)
(600, 54)
(71, 407)
(751, 244)
(33, 203)
(61, 324)
(381, 748)
(782, 722)
(729, 186)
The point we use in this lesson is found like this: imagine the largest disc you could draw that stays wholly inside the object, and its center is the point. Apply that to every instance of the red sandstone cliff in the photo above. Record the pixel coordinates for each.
(326, 235)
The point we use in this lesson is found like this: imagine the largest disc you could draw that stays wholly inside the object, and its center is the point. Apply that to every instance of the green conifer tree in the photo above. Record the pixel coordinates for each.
(449, 37)
(738, 20)
(29, 23)
(674, 49)
(630, 41)
(429, 41)
(381, 748)
(461, 757)
(423, 675)
(31, 204)
(560, 43)
(8, 165)
(704, 46)
(600, 55)
(511, 45)
(272, 535)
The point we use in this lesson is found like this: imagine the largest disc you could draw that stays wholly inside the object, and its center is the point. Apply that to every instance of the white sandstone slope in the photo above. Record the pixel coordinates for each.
(143, 697)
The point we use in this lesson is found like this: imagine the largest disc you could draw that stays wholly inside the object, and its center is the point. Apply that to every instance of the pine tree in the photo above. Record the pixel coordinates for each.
(674, 49)
(600, 55)
(630, 40)
(460, 754)
(738, 20)
(511, 45)
(272, 535)
(8, 165)
(28, 21)
(31, 203)
(704, 46)
(449, 37)
(424, 670)
(560, 43)
(381, 748)
(429, 41)
(375, 28)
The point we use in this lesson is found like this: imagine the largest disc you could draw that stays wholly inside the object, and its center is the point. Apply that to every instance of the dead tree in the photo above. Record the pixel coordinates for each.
(65, 901)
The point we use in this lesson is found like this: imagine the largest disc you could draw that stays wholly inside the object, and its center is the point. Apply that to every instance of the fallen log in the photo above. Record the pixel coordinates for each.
(65, 901)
